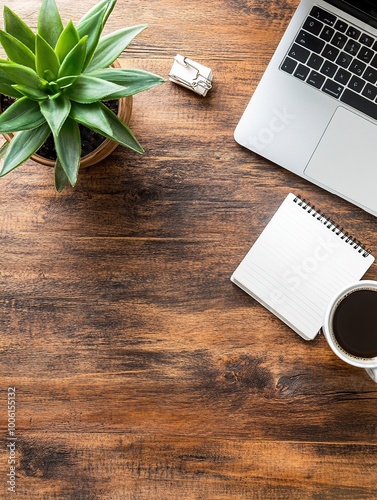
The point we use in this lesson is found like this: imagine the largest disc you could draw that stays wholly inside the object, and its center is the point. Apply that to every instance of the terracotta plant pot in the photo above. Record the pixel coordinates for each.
(105, 148)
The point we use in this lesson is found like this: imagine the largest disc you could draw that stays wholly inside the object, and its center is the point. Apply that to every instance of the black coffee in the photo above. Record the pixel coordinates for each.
(355, 323)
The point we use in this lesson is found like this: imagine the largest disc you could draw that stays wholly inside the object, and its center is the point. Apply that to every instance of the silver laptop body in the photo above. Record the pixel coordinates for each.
(314, 111)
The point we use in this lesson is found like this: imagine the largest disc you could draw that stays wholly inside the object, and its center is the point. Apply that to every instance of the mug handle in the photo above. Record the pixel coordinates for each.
(372, 372)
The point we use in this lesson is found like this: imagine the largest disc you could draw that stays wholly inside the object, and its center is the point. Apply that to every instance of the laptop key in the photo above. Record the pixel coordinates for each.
(356, 84)
(330, 52)
(332, 88)
(328, 69)
(370, 91)
(301, 72)
(310, 41)
(352, 47)
(341, 26)
(365, 54)
(342, 76)
(339, 40)
(315, 79)
(323, 16)
(360, 103)
(313, 25)
(374, 62)
(299, 53)
(357, 67)
(370, 75)
(327, 33)
(353, 33)
(288, 65)
(366, 40)
(315, 61)
(344, 60)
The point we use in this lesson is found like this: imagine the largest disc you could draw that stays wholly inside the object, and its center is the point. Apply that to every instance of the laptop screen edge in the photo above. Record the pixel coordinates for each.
(365, 10)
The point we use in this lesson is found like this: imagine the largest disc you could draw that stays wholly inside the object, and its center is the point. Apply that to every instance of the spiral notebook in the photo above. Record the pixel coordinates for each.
(298, 263)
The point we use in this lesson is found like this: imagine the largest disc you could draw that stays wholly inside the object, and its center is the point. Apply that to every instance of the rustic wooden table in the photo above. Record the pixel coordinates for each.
(140, 371)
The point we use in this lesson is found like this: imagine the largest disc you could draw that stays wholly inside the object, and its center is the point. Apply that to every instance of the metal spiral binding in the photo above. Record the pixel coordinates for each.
(332, 225)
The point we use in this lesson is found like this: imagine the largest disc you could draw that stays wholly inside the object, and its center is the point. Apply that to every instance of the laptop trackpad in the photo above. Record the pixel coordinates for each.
(345, 160)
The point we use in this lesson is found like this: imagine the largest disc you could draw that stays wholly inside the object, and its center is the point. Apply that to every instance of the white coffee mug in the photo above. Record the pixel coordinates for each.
(341, 327)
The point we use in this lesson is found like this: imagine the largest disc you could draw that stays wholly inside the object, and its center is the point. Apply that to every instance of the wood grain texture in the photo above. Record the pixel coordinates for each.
(141, 371)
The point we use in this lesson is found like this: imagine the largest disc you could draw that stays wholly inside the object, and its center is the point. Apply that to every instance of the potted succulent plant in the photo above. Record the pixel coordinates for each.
(60, 80)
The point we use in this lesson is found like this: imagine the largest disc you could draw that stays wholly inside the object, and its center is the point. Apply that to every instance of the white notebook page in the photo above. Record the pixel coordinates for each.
(298, 264)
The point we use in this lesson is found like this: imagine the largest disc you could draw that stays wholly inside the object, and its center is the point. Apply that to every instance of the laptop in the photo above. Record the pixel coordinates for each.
(314, 112)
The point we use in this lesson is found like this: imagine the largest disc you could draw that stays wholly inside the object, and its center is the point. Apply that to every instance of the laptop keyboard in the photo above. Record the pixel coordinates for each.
(337, 58)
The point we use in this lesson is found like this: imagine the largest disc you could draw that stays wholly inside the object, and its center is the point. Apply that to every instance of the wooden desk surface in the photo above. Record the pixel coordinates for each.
(141, 372)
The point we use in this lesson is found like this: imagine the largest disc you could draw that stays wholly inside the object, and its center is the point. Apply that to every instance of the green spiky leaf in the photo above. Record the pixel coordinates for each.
(108, 4)
(74, 61)
(34, 94)
(24, 114)
(92, 28)
(45, 59)
(6, 86)
(87, 89)
(111, 46)
(50, 24)
(132, 81)
(9, 90)
(100, 118)
(68, 39)
(16, 27)
(23, 146)
(20, 74)
(3, 151)
(91, 115)
(55, 112)
(68, 148)
(61, 178)
(16, 50)
(66, 81)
